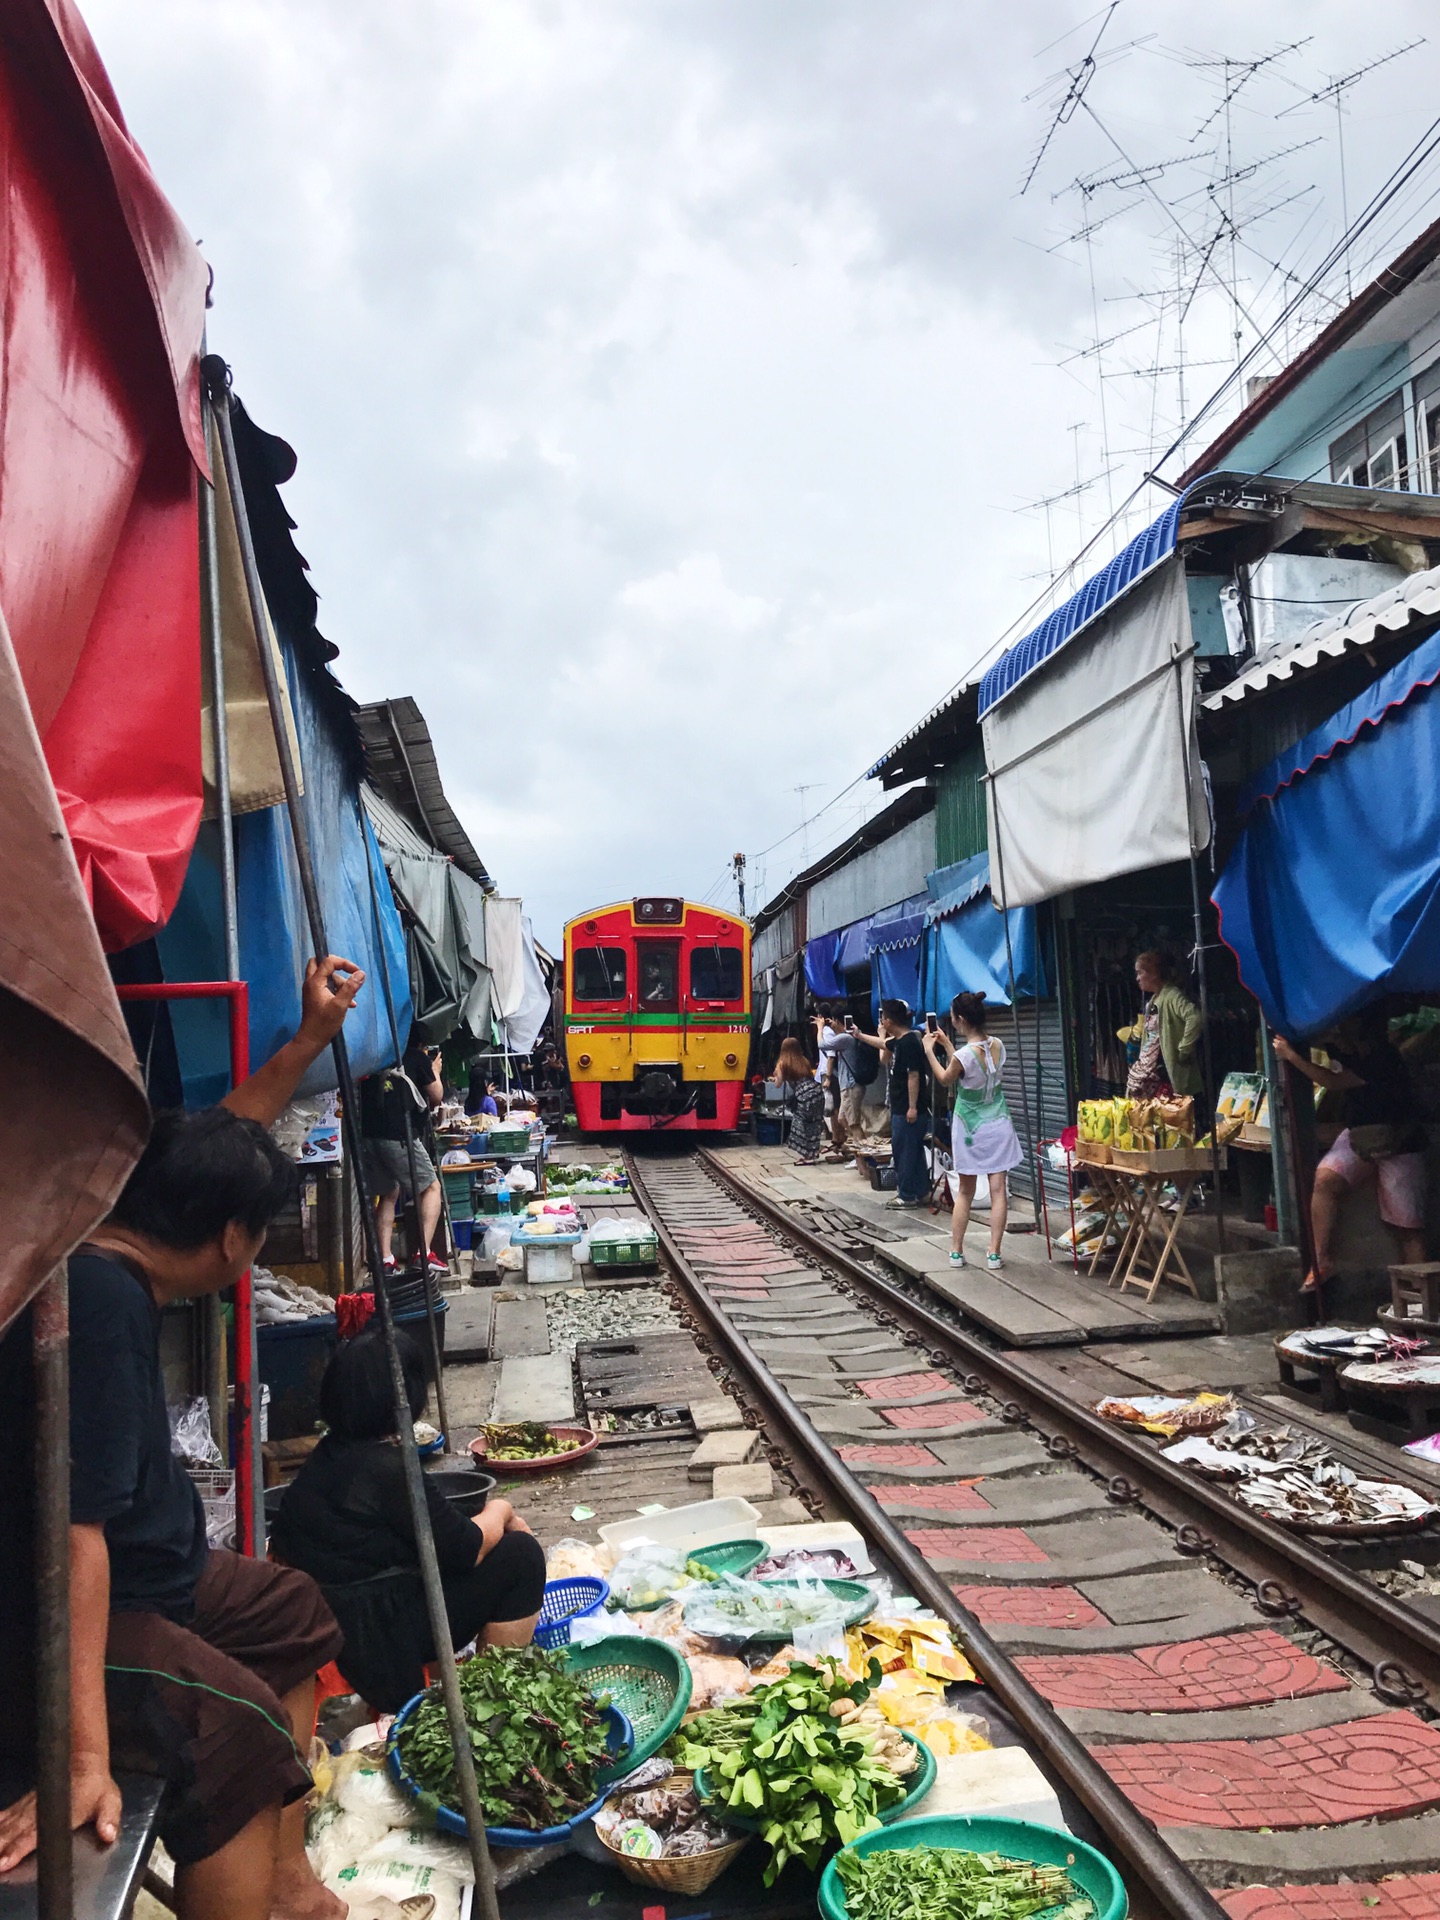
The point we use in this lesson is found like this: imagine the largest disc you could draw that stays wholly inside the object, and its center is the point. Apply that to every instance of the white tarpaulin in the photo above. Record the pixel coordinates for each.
(522, 1027)
(521, 999)
(1087, 755)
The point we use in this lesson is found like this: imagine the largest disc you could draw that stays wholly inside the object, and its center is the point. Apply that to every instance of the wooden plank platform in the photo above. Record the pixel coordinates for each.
(643, 1370)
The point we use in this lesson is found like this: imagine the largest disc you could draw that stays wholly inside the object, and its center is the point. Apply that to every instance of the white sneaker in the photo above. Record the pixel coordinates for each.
(993, 1262)
(958, 1259)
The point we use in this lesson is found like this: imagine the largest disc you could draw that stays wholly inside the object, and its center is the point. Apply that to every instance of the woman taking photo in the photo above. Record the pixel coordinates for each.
(807, 1097)
(983, 1134)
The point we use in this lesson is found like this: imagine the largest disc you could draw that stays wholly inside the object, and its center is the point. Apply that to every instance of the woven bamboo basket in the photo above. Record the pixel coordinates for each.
(689, 1873)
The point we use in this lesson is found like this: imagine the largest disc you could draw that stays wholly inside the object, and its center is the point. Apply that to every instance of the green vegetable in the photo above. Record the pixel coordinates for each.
(947, 1883)
(522, 1440)
(537, 1737)
(782, 1756)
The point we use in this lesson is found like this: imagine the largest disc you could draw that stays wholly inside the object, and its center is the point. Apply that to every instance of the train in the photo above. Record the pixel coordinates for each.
(657, 1016)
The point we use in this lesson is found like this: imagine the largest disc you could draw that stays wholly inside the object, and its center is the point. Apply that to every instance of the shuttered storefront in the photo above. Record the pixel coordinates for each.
(1041, 1039)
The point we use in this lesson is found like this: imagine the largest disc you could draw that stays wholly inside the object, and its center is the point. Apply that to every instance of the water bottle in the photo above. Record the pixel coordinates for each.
(502, 1194)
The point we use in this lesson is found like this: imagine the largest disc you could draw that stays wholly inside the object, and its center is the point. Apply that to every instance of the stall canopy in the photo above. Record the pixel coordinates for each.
(1089, 730)
(102, 306)
(521, 996)
(893, 943)
(965, 947)
(821, 966)
(1332, 894)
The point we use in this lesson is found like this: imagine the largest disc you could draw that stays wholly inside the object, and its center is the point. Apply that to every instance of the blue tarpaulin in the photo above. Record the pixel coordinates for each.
(966, 954)
(1332, 894)
(853, 952)
(897, 975)
(820, 975)
(274, 937)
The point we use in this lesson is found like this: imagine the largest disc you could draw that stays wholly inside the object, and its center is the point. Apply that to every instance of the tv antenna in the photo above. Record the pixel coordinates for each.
(1336, 91)
(807, 786)
(1050, 501)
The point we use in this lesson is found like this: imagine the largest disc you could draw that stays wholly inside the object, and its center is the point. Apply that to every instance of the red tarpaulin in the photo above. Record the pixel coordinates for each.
(102, 306)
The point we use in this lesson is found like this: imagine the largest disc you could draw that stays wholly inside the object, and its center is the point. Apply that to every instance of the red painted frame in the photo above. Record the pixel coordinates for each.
(237, 992)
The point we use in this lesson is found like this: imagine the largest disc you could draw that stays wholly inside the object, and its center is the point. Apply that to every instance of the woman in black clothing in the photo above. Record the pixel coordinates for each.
(345, 1521)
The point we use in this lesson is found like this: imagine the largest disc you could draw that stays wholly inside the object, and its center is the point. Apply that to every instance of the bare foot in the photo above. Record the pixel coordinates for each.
(300, 1896)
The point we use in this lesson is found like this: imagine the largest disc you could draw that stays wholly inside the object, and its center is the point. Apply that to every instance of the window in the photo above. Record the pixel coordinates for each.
(659, 968)
(715, 974)
(1374, 453)
(1427, 403)
(599, 973)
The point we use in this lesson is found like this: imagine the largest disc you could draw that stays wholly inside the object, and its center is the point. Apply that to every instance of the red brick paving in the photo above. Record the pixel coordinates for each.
(904, 1386)
(948, 1496)
(1368, 1769)
(1229, 1670)
(995, 1544)
(890, 1456)
(1405, 1896)
(1030, 1607)
(935, 1413)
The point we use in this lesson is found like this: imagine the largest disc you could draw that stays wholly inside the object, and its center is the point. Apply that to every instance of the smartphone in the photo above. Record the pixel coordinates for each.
(849, 1024)
(931, 1025)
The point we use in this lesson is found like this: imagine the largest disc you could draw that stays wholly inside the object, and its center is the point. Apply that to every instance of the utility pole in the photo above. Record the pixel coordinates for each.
(738, 863)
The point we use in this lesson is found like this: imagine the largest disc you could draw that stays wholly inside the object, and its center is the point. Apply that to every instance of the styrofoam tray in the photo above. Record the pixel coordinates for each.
(698, 1525)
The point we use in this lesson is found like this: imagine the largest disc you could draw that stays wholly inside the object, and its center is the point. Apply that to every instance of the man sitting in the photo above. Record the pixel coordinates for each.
(186, 1661)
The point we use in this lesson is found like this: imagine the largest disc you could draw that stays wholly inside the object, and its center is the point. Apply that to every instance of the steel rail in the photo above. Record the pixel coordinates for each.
(1166, 1877)
(1399, 1644)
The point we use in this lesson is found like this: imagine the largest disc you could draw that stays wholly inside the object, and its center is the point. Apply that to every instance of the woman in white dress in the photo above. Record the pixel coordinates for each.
(983, 1134)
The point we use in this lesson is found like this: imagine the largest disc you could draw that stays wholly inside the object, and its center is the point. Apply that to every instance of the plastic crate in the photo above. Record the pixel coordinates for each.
(565, 1602)
(509, 1140)
(459, 1184)
(640, 1250)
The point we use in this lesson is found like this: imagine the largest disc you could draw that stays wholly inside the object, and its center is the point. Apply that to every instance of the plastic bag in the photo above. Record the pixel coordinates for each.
(401, 1881)
(646, 1574)
(190, 1435)
(572, 1559)
(510, 1259)
(731, 1609)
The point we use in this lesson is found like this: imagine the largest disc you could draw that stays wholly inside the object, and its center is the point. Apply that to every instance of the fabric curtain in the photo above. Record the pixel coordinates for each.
(785, 1003)
(1088, 755)
(469, 901)
(1332, 894)
(504, 949)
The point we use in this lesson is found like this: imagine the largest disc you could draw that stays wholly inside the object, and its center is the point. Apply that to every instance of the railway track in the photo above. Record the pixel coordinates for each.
(1245, 1720)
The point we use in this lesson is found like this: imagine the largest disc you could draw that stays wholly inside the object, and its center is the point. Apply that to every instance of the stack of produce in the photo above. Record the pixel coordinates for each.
(523, 1440)
(1137, 1126)
(806, 1757)
(948, 1883)
(538, 1739)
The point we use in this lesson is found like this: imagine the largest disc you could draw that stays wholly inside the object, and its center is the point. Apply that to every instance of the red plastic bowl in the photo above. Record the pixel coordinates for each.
(585, 1442)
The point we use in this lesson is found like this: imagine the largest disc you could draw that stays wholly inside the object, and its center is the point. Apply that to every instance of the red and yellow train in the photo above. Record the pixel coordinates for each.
(657, 1016)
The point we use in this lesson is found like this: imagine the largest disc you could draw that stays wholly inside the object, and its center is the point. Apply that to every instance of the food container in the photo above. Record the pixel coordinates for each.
(1091, 1872)
(548, 1256)
(700, 1524)
(584, 1441)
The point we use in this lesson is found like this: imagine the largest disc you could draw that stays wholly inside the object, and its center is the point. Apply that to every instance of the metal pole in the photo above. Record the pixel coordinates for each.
(1201, 975)
(212, 1314)
(1030, 1134)
(1281, 1162)
(55, 1850)
(216, 375)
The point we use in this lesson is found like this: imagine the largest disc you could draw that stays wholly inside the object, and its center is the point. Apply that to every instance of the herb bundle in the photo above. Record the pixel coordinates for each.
(537, 1737)
(948, 1883)
(791, 1756)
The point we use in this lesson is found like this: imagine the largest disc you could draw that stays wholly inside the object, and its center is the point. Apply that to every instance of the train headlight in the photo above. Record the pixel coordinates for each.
(583, 1060)
(732, 1059)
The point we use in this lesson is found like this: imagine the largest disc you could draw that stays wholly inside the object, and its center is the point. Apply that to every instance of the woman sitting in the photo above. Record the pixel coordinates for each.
(807, 1098)
(346, 1522)
(983, 1134)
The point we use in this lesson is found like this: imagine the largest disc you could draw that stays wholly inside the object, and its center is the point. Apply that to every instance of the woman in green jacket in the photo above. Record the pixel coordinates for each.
(1167, 1032)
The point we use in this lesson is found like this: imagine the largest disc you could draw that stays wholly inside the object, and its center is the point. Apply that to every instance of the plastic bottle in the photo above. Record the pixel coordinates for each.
(502, 1194)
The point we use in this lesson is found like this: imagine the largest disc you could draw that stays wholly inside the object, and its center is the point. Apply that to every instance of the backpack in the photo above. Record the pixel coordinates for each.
(865, 1065)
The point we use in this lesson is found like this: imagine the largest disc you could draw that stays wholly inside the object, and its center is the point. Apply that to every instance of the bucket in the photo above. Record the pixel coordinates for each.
(769, 1131)
(464, 1233)
(417, 1325)
(293, 1356)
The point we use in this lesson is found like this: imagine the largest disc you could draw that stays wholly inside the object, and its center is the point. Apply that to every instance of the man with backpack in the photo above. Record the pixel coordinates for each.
(856, 1068)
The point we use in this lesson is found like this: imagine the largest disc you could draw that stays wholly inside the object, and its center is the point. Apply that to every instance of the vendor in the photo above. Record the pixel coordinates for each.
(1382, 1141)
(186, 1661)
(395, 1106)
(1167, 1034)
(345, 1521)
(481, 1097)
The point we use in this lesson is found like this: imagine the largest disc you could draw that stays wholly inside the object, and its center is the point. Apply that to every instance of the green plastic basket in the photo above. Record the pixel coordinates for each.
(641, 1250)
(1016, 1839)
(459, 1192)
(857, 1600)
(731, 1556)
(924, 1778)
(646, 1679)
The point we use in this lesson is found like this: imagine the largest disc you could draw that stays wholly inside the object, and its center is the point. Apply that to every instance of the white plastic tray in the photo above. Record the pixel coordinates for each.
(700, 1525)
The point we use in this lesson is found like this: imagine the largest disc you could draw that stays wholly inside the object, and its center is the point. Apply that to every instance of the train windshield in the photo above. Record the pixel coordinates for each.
(715, 974)
(599, 973)
(659, 969)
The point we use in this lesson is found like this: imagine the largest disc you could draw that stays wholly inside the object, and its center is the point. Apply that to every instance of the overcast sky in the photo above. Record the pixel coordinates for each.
(668, 379)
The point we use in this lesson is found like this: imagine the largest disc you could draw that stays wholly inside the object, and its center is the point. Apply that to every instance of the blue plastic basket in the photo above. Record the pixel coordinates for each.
(565, 1602)
(619, 1743)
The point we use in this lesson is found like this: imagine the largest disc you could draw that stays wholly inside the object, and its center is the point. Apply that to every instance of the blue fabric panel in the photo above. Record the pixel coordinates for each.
(967, 955)
(1332, 894)
(1418, 669)
(1144, 552)
(820, 974)
(852, 951)
(897, 974)
(274, 935)
(954, 887)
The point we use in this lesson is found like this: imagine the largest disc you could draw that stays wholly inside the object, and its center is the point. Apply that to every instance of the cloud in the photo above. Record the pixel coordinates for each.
(668, 381)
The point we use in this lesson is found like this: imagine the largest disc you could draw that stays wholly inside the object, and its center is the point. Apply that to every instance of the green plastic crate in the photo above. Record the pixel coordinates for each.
(640, 1250)
(459, 1192)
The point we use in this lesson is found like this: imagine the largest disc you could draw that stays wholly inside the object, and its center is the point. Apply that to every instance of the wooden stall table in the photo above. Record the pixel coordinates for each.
(1135, 1180)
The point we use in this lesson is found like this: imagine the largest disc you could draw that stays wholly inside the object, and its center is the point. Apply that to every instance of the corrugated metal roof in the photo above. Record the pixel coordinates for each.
(908, 806)
(1399, 610)
(400, 759)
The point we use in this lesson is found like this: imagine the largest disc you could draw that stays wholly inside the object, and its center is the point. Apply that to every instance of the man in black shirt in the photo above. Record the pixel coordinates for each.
(191, 1663)
(391, 1102)
(901, 1051)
